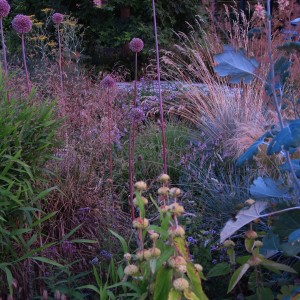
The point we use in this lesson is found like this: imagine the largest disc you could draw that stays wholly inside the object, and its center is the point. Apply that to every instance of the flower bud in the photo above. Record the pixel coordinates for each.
(155, 252)
(229, 243)
(136, 202)
(127, 256)
(131, 270)
(258, 244)
(140, 186)
(251, 234)
(154, 236)
(254, 261)
(174, 231)
(164, 178)
(164, 208)
(181, 269)
(163, 191)
(198, 267)
(250, 202)
(140, 223)
(176, 209)
(176, 261)
(174, 192)
(180, 284)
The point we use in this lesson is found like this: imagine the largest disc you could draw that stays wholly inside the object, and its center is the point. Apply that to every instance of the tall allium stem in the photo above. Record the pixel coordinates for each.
(162, 123)
(4, 48)
(60, 59)
(25, 64)
(109, 137)
(277, 101)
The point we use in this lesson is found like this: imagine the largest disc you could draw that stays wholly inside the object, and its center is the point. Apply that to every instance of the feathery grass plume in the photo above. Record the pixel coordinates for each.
(4, 11)
(57, 19)
(22, 24)
(136, 45)
(162, 122)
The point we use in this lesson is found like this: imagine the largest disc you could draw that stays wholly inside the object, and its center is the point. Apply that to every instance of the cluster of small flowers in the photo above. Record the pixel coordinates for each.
(260, 11)
(283, 4)
(4, 8)
(137, 115)
(105, 254)
(68, 247)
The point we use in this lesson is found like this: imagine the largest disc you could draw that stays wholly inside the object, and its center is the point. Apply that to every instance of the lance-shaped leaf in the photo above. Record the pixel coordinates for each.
(277, 266)
(288, 137)
(253, 149)
(266, 187)
(174, 295)
(295, 166)
(163, 283)
(244, 217)
(236, 65)
(237, 275)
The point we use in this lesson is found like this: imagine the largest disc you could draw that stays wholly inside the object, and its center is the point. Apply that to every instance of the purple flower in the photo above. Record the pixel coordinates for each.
(136, 45)
(108, 82)
(137, 115)
(22, 24)
(57, 18)
(4, 8)
(191, 240)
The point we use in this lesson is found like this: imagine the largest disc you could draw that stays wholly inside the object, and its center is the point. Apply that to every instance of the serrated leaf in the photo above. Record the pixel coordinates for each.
(244, 217)
(237, 275)
(182, 248)
(288, 137)
(277, 266)
(267, 187)
(235, 64)
(163, 283)
(174, 295)
(219, 270)
(253, 149)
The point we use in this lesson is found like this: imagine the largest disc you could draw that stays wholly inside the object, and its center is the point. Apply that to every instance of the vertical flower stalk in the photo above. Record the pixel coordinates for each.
(4, 11)
(108, 83)
(22, 24)
(136, 45)
(162, 123)
(57, 19)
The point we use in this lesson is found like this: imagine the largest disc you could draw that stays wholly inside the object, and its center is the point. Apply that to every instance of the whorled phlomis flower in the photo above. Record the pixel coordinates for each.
(136, 45)
(283, 4)
(57, 18)
(260, 11)
(4, 8)
(21, 24)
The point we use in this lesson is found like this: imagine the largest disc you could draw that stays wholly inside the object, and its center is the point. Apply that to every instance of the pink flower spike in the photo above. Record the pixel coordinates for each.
(4, 8)
(57, 18)
(136, 45)
(21, 24)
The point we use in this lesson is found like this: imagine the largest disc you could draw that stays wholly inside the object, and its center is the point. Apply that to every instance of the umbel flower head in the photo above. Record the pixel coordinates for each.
(136, 45)
(57, 18)
(108, 82)
(21, 24)
(4, 8)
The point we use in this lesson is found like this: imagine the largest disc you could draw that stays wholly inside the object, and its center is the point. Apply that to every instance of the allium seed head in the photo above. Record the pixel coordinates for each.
(259, 11)
(4, 8)
(21, 24)
(136, 202)
(136, 45)
(131, 270)
(163, 191)
(164, 178)
(174, 192)
(198, 267)
(57, 18)
(180, 284)
(176, 261)
(164, 208)
(174, 231)
(137, 115)
(140, 223)
(181, 269)
(108, 82)
(176, 209)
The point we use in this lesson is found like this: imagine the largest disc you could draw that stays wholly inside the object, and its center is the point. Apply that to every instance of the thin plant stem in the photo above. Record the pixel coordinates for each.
(3, 48)
(25, 64)
(109, 137)
(60, 59)
(162, 123)
(277, 101)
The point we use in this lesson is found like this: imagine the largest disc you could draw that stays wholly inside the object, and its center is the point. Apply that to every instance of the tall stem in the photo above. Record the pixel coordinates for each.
(277, 101)
(3, 48)
(162, 123)
(25, 64)
(109, 137)
(60, 59)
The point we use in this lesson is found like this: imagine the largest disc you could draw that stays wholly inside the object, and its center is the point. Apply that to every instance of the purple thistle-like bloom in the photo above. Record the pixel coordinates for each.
(137, 115)
(136, 45)
(108, 82)
(4, 8)
(57, 18)
(22, 24)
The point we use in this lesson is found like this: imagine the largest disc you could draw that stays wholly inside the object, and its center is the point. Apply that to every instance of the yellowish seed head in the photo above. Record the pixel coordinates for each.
(174, 231)
(136, 202)
(174, 192)
(163, 191)
(131, 270)
(164, 178)
(140, 186)
(140, 223)
(180, 284)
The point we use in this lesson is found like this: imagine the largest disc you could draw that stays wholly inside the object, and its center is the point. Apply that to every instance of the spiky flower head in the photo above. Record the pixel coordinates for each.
(108, 82)
(174, 231)
(131, 270)
(259, 11)
(137, 115)
(136, 45)
(140, 223)
(163, 191)
(283, 4)
(140, 186)
(174, 192)
(136, 202)
(57, 18)
(180, 284)
(127, 256)
(176, 209)
(21, 24)
(4, 8)
(164, 178)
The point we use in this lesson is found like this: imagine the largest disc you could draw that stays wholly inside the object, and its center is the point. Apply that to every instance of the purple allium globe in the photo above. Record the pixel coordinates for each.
(57, 18)
(4, 8)
(136, 45)
(108, 82)
(21, 24)
(137, 115)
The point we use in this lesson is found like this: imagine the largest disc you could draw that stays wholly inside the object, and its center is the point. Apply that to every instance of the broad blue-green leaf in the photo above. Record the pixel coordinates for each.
(253, 149)
(234, 63)
(277, 266)
(266, 187)
(270, 244)
(295, 166)
(294, 236)
(219, 270)
(290, 249)
(244, 217)
(288, 137)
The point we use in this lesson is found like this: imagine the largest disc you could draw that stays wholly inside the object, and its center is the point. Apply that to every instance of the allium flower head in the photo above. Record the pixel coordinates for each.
(57, 18)
(21, 24)
(108, 82)
(136, 45)
(4, 8)
(97, 3)
(137, 115)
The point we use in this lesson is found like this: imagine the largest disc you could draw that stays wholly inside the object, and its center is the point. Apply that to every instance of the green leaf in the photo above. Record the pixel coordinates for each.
(70, 233)
(84, 241)
(48, 216)
(219, 270)
(278, 266)
(237, 275)
(249, 245)
(174, 295)
(122, 241)
(190, 295)
(163, 283)
(195, 281)
(235, 64)
(90, 287)
(152, 264)
(9, 276)
(48, 261)
(180, 244)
